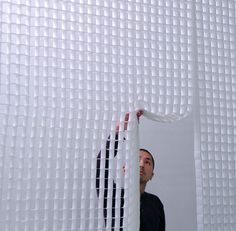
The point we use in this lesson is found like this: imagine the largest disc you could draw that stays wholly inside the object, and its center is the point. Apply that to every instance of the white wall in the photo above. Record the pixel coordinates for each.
(172, 145)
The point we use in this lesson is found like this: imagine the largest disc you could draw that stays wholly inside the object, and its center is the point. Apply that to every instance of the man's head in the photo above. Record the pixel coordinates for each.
(146, 164)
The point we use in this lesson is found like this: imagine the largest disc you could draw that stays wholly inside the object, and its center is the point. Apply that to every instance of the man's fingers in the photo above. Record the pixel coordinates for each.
(139, 114)
(126, 121)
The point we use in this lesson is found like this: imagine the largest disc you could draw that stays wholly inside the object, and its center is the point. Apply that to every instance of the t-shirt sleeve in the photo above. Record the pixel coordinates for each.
(162, 225)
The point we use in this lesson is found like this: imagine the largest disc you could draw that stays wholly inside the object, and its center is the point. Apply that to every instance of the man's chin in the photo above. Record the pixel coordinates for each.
(141, 179)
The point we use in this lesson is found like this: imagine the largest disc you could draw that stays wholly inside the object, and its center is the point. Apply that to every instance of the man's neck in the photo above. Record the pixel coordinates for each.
(142, 188)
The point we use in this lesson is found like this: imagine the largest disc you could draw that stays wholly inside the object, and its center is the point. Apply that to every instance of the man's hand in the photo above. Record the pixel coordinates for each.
(139, 114)
(126, 120)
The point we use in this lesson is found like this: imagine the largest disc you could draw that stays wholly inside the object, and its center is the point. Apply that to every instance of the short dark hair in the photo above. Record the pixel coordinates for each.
(145, 150)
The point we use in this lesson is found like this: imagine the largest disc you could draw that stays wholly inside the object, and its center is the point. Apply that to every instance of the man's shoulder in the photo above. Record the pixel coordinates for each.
(153, 198)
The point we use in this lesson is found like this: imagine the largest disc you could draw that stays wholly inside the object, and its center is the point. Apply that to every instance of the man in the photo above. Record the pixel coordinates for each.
(112, 150)
(152, 216)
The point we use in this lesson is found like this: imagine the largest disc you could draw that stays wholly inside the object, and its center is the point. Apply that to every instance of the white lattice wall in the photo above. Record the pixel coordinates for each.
(70, 70)
(215, 118)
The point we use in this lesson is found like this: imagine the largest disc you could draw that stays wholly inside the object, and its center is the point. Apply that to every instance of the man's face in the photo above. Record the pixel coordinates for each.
(146, 167)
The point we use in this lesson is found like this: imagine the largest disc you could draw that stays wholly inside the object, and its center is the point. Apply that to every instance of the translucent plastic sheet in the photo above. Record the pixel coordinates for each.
(215, 118)
(69, 72)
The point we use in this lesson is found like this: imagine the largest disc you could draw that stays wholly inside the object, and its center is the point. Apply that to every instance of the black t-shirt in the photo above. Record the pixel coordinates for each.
(152, 216)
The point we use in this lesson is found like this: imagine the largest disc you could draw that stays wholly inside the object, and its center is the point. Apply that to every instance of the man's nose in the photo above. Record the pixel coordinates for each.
(141, 163)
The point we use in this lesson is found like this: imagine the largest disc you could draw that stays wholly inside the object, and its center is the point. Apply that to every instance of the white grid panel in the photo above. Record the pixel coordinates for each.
(69, 70)
(215, 152)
